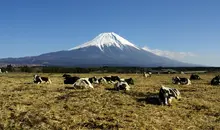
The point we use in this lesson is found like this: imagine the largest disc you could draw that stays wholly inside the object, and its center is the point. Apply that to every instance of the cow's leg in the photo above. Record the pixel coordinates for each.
(166, 101)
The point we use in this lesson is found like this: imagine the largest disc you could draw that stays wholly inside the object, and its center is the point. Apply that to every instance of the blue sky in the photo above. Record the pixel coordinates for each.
(33, 27)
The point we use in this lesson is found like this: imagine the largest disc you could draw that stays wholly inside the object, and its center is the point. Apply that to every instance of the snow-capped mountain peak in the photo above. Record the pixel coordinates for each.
(106, 40)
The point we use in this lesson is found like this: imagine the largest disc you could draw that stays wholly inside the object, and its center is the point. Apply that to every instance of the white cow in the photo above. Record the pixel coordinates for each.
(83, 83)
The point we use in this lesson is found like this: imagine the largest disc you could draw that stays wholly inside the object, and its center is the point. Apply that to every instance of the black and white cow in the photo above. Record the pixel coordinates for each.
(112, 78)
(129, 81)
(147, 74)
(166, 95)
(216, 80)
(122, 85)
(3, 71)
(102, 80)
(194, 77)
(39, 79)
(66, 75)
(82, 83)
(68, 79)
(94, 80)
(182, 81)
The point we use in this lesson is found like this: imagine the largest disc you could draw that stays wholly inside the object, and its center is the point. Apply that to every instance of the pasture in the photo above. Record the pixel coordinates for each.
(25, 105)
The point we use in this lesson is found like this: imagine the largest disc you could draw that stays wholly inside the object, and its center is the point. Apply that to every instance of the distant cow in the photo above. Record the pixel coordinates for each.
(182, 81)
(216, 80)
(129, 81)
(147, 74)
(194, 77)
(2, 71)
(68, 79)
(122, 85)
(166, 95)
(39, 79)
(82, 83)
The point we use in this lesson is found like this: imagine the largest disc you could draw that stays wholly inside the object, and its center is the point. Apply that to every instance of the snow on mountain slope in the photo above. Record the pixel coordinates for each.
(107, 40)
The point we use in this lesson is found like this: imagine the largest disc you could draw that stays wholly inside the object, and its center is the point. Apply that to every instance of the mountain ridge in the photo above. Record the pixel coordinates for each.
(106, 49)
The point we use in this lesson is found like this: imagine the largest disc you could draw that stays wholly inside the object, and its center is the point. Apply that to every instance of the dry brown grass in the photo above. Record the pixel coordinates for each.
(50, 106)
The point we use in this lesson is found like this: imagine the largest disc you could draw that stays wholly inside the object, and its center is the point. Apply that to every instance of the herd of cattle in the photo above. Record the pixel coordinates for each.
(166, 94)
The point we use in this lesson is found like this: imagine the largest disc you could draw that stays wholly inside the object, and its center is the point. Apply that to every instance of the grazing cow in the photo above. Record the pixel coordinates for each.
(102, 80)
(122, 85)
(166, 95)
(147, 74)
(82, 83)
(69, 79)
(216, 80)
(182, 81)
(93, 80)
(39, 79)
(194, 77)
(129, 81)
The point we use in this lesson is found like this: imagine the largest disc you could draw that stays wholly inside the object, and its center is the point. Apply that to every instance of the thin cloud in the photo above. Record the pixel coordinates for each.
(170, 54)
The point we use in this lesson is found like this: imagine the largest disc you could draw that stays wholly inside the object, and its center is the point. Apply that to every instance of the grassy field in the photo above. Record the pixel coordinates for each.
(25, 105)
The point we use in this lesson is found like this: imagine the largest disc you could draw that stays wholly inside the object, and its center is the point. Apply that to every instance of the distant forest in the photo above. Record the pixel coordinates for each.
(106, 69)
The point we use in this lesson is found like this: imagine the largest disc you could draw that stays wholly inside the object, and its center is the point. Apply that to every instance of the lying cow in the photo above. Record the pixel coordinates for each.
(93, 80)
(194, 77)
(111, 79)
(166, 95)
(39, 79)
(68, 79)
(102, 80)
(66, 75)
(216, 80)
(122, 85)
(82, 83)
(182, 81)
(129, 81)
(147, 74)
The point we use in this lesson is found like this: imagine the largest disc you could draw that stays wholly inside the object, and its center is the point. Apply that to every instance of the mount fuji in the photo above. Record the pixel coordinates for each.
(107, 49)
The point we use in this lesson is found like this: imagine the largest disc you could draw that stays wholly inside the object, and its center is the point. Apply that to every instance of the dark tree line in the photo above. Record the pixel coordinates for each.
(104, 69)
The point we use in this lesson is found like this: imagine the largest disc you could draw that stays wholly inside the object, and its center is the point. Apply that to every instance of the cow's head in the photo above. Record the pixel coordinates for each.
(130, 81)
(176, 80)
